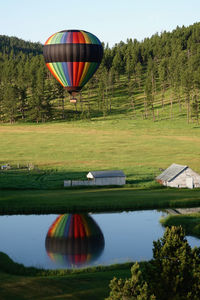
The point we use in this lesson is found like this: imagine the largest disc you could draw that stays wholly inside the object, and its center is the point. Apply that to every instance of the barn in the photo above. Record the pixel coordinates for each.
(107, 177)
(179, 176)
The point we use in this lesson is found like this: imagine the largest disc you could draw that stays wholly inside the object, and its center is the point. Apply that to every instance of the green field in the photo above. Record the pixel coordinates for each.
(69, 150)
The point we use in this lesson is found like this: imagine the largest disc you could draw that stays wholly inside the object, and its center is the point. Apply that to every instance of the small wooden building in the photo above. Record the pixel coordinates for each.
(107, 177)
(5, 167)
(180, 177)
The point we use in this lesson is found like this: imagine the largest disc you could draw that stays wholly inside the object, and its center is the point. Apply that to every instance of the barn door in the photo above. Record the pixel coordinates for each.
(189, 182)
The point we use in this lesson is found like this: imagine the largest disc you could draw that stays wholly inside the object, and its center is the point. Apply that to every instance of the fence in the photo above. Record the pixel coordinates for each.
(68, 183)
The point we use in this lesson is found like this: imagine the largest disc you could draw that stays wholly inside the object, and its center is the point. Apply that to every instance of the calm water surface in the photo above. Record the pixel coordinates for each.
(68, 241)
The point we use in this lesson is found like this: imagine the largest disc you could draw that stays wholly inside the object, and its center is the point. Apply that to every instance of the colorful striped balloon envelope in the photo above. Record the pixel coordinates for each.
(74, 239)
(73, 56)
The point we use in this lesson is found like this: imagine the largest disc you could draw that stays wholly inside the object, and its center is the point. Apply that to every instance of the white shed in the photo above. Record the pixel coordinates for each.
(107, 177)
(179, 176)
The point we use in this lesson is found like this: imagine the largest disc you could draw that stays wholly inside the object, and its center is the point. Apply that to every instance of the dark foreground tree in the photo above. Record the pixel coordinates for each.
(172, 274)
(177, 267)
(134, 288)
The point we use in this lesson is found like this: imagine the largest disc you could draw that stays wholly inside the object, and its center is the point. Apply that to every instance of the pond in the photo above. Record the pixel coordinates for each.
(80, 240)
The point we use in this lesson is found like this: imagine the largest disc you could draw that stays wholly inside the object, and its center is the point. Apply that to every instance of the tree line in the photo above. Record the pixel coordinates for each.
(157, 73)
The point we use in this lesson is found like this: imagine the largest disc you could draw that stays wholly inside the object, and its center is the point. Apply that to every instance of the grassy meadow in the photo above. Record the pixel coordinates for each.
(68, 150)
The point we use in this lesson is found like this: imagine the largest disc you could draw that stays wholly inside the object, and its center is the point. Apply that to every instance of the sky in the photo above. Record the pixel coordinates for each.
(111, 21)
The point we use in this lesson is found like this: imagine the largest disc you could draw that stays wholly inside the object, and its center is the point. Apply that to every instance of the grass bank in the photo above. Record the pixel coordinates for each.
(94, 200)
(84, 286)
(190, 223)
(18, 282)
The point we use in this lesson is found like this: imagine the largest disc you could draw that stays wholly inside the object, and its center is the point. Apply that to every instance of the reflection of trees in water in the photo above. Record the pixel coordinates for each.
(74, 239)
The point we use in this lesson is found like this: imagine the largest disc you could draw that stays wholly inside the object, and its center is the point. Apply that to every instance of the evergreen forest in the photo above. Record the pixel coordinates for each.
(157, 78)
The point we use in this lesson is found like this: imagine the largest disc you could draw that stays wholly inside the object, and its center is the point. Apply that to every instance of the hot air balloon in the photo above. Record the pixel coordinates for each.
(73, 56)
(74, 239)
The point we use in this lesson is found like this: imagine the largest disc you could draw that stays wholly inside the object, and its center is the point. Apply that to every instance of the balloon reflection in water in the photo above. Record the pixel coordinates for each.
(74, 239)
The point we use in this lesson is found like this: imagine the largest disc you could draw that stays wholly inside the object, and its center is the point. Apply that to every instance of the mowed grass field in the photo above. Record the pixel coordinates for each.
(70, 149)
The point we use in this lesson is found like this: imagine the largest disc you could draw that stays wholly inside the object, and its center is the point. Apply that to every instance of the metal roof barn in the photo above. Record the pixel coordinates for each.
(179, 176)
(107, 177)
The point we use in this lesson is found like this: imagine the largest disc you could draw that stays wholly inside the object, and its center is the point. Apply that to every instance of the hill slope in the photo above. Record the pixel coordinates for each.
(16, 45)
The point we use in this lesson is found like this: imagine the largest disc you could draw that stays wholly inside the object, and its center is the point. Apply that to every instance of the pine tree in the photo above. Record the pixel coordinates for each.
(162, 72)
(172, 274)
(134, 288)
(177, 267)
(149, 96)
(195, 108)
(10, 103)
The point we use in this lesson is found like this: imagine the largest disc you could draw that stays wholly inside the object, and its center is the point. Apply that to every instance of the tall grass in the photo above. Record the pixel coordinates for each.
(94, 200)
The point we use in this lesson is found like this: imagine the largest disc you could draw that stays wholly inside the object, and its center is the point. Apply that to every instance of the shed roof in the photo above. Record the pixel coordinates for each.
(101, 174)
(170, 173)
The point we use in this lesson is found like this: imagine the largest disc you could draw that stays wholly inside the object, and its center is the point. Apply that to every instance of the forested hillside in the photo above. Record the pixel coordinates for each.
(157, 78)
(15, 45)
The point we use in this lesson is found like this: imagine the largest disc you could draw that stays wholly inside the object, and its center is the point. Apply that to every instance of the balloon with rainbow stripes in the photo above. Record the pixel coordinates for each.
(74, 240)
(73, 56)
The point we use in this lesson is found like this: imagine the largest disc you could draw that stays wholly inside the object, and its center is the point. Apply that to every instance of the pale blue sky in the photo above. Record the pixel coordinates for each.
(111, 20)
